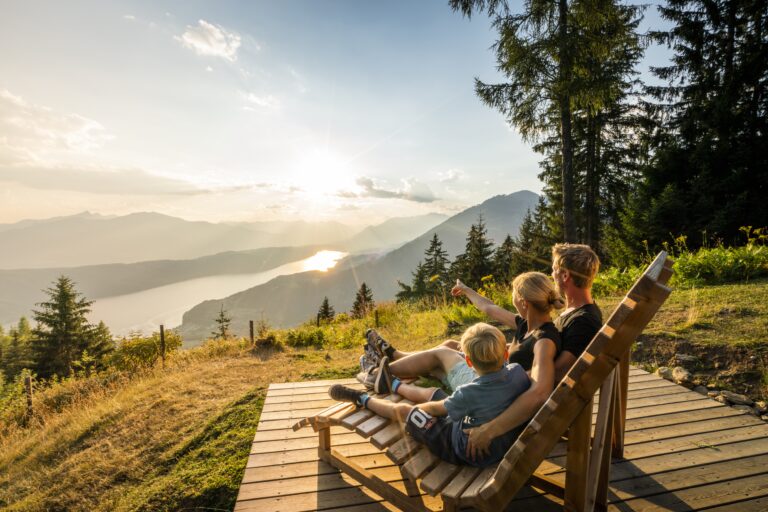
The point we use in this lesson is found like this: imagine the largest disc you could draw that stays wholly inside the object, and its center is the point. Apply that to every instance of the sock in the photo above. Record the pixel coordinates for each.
(389, 350)
(363, 399)
(395, 384)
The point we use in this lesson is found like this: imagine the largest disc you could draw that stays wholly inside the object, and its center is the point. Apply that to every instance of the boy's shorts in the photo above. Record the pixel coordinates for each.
(459, 374)
(436, 433)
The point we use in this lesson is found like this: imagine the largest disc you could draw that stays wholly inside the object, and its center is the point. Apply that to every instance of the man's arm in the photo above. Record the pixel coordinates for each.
(526, 405)
(485, 304)
(563, 363)
(436, 408)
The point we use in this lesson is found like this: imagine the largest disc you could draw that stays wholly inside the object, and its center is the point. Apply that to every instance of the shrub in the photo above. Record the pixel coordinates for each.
(137, 352)
(312, 337)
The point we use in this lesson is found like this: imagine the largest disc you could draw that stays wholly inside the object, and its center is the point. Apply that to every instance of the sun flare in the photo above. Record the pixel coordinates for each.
(323, 172)
(323, 260)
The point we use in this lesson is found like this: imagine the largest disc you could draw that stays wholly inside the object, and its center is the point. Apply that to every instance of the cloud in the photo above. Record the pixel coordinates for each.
(412, 190)
(31, 133)
(129, 17)
(101, 181)
(210, 39)
(265, 101)
(451, 175)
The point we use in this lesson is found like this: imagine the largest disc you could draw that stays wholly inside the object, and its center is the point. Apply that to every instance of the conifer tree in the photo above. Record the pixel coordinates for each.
(435, 268)
(707, 168)
(63, 331)
(477, 260)
(18, 355)
(223, 320)
(502, 260)
(417, 289)
(363, 302)
(326, 311)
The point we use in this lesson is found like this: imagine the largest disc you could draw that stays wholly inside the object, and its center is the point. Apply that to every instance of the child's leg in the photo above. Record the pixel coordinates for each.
(438, 359)
(451, 344)
(387, 409)
(418, 394)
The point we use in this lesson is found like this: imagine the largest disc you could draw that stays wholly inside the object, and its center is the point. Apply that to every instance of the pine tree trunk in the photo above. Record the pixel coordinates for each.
(591, 196)
(569, 223)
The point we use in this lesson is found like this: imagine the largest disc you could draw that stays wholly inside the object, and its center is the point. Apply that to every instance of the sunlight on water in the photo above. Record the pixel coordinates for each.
(323, 260)
(147, 309)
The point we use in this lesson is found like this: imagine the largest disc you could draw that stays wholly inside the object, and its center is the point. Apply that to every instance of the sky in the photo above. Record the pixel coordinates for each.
(252, 110)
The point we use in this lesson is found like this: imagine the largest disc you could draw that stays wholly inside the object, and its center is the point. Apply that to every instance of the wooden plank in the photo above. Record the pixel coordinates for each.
(275, 386)
(402, 449)
(305, 455)
(696, 498)
(438, 478)
(577, 464)
(298, 444)
(388, 435)
(731, 470)
(460, 482)
(420, 463)
(309, 468)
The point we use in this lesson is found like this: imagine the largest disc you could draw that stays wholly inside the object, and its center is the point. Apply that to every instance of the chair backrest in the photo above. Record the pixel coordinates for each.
(580, 384)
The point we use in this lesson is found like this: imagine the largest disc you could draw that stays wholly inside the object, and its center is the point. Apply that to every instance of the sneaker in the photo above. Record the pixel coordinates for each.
(372, 356)
(379, 345)
(383, 382)
(367, 378)
(342, 393)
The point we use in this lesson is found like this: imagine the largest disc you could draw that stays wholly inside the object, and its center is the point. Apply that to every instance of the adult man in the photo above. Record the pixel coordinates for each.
(574, 268)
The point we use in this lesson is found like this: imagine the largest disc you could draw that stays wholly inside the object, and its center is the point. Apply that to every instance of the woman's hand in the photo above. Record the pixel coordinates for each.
(479, 441)
(459, 289)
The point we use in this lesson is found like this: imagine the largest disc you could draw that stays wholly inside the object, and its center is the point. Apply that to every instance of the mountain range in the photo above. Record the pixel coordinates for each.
(90, 239)
(292, 299)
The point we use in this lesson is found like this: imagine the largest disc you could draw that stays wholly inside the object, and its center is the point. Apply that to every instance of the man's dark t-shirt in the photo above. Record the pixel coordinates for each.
(578, 327)
(521, 351)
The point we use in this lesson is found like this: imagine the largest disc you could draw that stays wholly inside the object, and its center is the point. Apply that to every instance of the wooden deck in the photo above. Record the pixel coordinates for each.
(684, 452)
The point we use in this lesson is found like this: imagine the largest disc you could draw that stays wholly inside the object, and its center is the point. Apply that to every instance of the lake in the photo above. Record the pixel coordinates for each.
(146, 310)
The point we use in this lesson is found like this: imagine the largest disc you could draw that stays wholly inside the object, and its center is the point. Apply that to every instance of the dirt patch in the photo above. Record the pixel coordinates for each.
(740, 367)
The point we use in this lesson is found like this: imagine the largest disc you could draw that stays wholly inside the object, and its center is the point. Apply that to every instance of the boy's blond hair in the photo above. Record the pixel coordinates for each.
(580, 260)
(485, 346)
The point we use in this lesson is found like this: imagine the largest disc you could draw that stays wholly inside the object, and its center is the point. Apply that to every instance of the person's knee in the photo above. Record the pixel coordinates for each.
(451, 344)
(402, 411)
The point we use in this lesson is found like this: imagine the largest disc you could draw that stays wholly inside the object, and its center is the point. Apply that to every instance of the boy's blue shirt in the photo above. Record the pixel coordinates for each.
(482, 400)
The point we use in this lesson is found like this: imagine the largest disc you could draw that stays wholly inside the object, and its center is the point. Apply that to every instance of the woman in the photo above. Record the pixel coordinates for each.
(535, 346)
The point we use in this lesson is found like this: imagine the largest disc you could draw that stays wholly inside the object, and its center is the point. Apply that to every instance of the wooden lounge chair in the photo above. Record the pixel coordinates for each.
(604, 365)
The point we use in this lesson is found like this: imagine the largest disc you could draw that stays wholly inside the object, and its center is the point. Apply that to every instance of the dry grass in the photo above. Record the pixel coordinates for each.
(98, 453)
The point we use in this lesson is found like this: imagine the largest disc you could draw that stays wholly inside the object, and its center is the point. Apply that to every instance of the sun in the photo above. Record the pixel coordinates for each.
(323, 172)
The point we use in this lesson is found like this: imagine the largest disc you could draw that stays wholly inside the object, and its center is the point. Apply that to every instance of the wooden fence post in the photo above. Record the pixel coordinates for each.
(162, 343)
(250, 325)
(28, 388)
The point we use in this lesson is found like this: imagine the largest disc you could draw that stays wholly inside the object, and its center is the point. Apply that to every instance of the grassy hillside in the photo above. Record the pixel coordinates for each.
(178, 438)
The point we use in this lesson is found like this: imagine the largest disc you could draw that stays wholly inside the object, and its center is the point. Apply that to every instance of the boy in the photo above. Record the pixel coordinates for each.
(440, 423)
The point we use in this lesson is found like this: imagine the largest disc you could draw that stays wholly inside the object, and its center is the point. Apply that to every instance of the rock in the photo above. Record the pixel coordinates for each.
(701, 390)
(760, 407)
(713, 394)
(681, 375)
(686, 359)
(721, 399)
(736, 398)
(764, 417)
(746, 409)
(664, 372)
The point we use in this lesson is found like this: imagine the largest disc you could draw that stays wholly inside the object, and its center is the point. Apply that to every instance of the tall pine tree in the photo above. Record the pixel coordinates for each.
(708, 168)
(62, 332)
(477, 260)
(436, 264)
(326, 311)
(363, 302)
(223, 321)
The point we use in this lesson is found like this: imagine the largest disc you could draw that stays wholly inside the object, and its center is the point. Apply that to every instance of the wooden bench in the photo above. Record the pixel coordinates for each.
(603, 366)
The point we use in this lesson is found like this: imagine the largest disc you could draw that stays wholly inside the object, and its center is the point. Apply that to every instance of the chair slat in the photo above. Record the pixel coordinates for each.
(460, 482)
(402, 449)
(423, 461)
(388, 435)
(438, 478)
